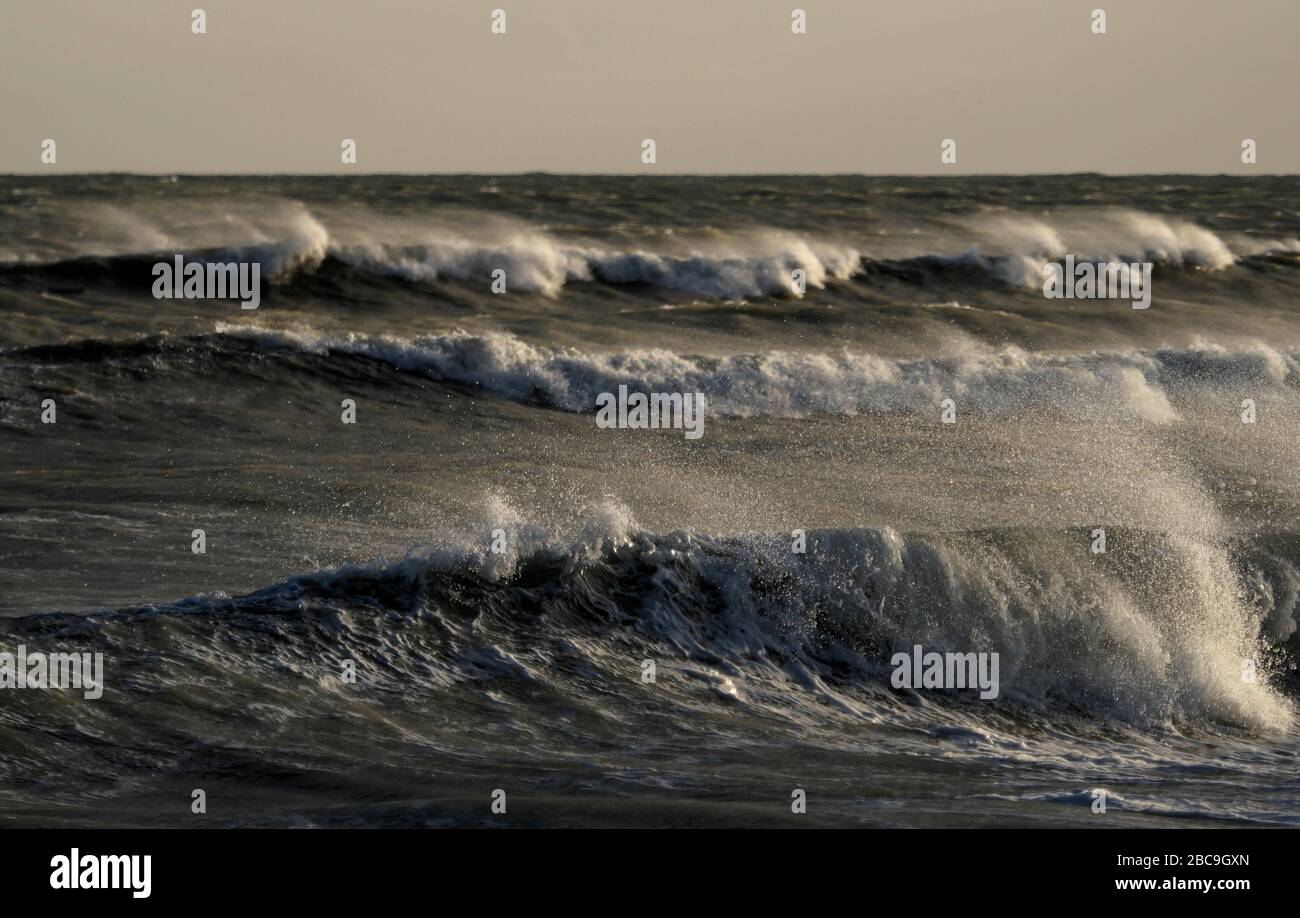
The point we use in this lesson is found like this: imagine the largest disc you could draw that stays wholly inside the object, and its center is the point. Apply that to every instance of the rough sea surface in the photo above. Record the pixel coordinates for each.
(522, 670)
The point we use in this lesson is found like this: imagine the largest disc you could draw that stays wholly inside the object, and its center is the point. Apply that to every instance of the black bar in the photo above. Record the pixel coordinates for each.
(335, 867)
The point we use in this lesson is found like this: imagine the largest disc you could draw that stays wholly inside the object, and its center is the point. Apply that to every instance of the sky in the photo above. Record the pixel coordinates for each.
(721, 86)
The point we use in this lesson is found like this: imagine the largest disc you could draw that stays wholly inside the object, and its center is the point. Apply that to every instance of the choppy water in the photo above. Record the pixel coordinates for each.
(522, 670)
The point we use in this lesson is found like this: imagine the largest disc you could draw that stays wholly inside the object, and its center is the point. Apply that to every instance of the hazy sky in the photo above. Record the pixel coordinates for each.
(721, 85)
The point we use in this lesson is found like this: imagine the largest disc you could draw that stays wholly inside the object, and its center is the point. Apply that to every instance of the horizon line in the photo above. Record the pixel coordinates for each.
(50, 173)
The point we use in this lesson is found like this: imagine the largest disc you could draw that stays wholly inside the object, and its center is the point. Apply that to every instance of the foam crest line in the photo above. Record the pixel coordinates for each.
(743, 263)
(797, 384)
(1168, 652)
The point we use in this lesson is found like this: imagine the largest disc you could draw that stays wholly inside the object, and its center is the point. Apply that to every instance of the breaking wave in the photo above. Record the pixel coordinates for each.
(794, 384)
(1136, 384)
(1160, 644)
(754, 262)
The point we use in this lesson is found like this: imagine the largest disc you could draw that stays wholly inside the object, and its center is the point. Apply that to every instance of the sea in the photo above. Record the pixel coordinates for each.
(363, 556)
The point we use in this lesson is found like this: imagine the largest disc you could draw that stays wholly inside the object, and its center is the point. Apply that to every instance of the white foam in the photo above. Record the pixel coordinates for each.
(1130, 383)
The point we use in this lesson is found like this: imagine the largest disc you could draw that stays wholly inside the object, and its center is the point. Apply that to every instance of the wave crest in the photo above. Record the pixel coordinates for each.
(796, 384)
(290, 240)
(1157, 641)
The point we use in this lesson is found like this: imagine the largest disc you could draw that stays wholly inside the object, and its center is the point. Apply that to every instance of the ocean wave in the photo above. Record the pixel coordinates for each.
(796, 384)
(1111, 237)
(1136, 384)
(1161, 642)
(537, 262)
(752, 262)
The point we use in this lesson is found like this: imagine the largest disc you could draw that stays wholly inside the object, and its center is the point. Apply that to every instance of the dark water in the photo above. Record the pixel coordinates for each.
(522, 670)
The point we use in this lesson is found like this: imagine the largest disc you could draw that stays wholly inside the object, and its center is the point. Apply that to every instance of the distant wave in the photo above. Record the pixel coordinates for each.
(795, 384)
(748, 263)
(1132, 383)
